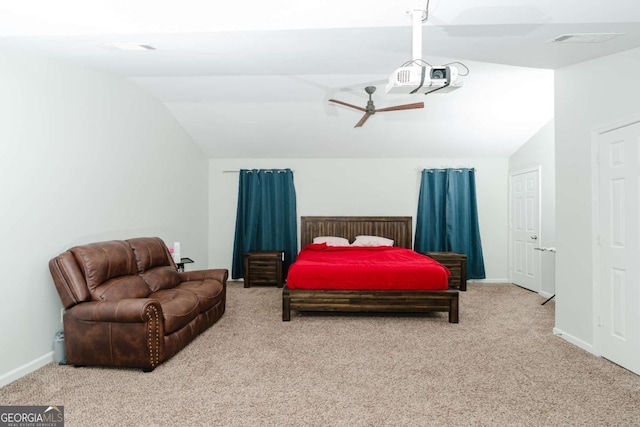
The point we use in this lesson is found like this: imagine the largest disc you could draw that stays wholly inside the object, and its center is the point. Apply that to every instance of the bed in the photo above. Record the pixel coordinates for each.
(398, 229)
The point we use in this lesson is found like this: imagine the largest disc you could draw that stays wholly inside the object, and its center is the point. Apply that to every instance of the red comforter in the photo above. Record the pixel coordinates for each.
(319, 266)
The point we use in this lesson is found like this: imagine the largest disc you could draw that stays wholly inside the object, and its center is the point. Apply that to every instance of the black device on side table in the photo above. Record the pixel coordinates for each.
(263, 267)
(182, 262)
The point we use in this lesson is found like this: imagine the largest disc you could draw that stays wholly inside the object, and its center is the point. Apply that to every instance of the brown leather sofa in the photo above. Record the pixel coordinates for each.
(128, 306)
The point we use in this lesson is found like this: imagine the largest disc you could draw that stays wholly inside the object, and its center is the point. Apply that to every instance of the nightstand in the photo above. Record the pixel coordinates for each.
(457, 265)
(263, 267)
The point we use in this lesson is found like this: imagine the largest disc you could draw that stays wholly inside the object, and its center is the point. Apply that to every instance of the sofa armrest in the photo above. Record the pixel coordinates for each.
(127, 333)
(138, 310)
(219, 274)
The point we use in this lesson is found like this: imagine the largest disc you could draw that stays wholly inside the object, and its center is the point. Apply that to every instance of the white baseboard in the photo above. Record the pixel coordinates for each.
(575, 341)
(488, 281)
(25, 369)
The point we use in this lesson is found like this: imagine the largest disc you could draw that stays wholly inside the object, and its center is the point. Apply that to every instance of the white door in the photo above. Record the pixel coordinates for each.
(525, 230)
(618, 279)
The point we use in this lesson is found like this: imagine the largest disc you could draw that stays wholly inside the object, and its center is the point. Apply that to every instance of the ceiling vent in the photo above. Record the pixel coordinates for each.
(584, 38)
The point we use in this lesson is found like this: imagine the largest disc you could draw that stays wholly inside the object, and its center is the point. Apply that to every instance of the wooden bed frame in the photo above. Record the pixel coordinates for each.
(397, 228)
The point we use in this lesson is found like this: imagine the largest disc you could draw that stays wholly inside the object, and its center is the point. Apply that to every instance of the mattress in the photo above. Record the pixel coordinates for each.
(323, 267)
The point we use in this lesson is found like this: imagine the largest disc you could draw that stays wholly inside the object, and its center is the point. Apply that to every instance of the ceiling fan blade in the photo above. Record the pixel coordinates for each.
(348, 105)
(363, 120)
(402, 107)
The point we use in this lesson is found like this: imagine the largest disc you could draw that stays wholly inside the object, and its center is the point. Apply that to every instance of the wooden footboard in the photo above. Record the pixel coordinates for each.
(370, 301)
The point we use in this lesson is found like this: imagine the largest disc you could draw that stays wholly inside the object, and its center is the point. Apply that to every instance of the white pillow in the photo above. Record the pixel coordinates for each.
(372, 241)
(331, 240)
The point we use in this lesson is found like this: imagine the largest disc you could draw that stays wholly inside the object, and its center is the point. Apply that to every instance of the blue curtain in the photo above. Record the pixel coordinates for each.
(447, 218)
(266, 219)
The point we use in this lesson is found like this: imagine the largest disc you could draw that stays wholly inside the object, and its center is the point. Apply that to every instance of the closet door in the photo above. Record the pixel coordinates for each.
(525, 230)
(618, 279)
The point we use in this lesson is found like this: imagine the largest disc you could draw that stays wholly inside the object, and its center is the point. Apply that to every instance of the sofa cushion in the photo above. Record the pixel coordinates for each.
(179, 307)
(208, 291)
(159, 278)
(102, 261)
(121, 288)
(150, 252)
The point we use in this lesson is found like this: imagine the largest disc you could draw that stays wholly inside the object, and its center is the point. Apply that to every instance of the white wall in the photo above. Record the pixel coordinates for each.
(584, 103)
(362, 187)
(539, 152)
(84, 156)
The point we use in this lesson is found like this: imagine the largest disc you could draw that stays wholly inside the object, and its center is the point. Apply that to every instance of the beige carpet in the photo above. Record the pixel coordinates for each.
(501, 365)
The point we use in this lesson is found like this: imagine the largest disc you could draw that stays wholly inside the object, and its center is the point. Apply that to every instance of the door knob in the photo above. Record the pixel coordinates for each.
(534, 237)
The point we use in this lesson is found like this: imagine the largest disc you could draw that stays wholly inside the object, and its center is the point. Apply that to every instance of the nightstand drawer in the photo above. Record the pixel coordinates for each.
(263, 267)
(263, 264)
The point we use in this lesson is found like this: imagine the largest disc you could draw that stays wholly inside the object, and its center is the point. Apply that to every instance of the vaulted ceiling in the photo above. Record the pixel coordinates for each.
(252, 79)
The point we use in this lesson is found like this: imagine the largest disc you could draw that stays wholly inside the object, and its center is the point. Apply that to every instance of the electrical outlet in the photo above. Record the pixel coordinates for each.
(61, 314)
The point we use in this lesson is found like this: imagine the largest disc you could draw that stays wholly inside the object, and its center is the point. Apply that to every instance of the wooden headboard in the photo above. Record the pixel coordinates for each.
(397, 228)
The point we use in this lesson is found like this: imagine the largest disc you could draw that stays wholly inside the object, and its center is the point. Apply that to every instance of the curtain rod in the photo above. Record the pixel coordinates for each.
(266, 170)
(442, 169)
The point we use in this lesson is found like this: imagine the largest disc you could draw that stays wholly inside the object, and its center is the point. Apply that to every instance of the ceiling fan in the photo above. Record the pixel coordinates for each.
(370, 109)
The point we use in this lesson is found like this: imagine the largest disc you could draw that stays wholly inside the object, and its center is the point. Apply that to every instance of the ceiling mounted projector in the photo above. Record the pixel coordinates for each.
(418, 76)
(424, 79)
